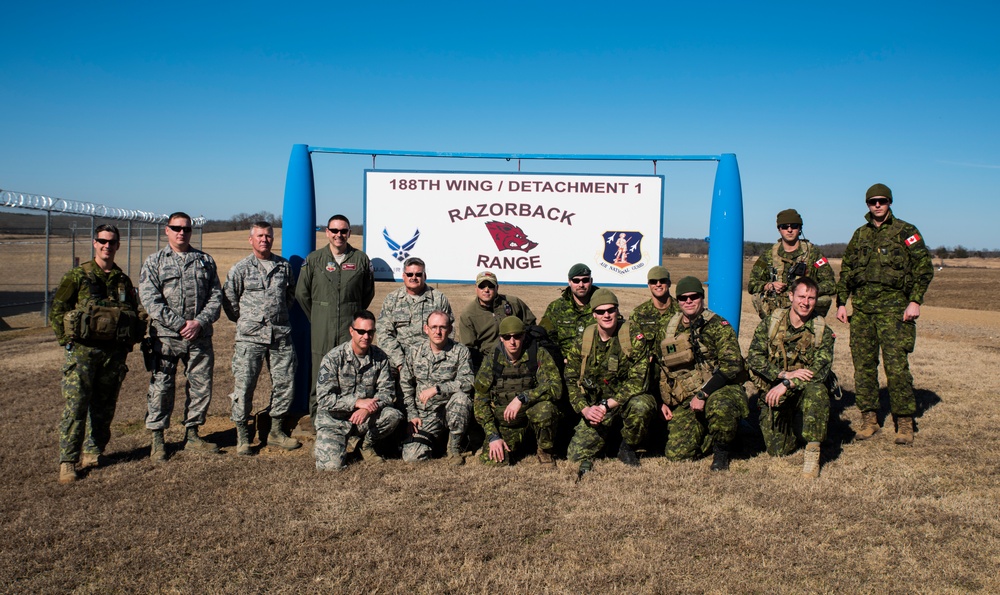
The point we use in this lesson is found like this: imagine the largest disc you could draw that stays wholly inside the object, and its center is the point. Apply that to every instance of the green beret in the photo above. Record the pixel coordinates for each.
(603, 297)
(789, 216)
(658, 272)
(690, 285)
(879, 190)
(511, 325)
(578, 270)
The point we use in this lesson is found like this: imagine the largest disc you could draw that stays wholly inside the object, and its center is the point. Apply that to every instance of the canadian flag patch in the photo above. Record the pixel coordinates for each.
(820, 262)
(913, 239)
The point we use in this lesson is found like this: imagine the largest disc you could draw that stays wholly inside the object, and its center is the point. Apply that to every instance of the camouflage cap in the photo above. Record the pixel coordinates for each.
(487, 276)
(658, 272)
(690, 285)
(512, 325)
(603, 297)
(879, 190)
(789, 216)
(577, 270)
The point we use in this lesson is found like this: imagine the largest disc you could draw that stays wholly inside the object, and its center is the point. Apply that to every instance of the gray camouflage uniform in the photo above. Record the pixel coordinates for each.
(400, 326)
(256, 296)
(343, 378)
(450, 409)
(175, 287)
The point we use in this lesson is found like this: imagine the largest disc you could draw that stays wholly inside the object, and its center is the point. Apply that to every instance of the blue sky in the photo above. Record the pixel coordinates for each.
(195, 106)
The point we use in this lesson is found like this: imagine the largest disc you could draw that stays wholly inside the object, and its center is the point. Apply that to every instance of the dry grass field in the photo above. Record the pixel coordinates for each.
(881, 518)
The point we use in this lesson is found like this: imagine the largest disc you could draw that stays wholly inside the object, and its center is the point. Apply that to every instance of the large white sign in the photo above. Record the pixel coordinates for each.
(526, 228)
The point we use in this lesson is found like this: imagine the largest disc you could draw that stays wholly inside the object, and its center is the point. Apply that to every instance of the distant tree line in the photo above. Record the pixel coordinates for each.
(241, 221)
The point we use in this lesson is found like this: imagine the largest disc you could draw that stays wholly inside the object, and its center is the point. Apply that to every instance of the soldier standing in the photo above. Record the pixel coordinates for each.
(567, 316)
(790, 358)
(258, 292)
(516, 389)
(651, 316)
(606, 375)
(401, 322)
(700, 381)
(179, 287)
(354, 395)
(96, 316)
(334, 282)
(886, 271)
(437, 381)
(479, 324)
(790, 258)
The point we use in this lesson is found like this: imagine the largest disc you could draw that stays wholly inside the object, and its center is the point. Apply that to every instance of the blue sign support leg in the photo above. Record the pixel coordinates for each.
(725, 248)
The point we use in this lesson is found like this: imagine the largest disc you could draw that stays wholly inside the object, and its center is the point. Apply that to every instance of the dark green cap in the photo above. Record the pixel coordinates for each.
(578, 269)
(603, 297)
(658, 272)
(879, 190)
(789, 216)
(511, 325)
(690, 285)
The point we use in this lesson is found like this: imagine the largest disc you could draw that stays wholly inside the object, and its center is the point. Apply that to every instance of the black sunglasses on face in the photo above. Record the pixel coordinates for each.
(485, 285)
(179, 228)
(370, 333)
(418, 275)
(785, 226)
(877, 202)
(517, 336)
(689, 297)
(610, 310)
(658, 281)
(579, 280)
(337, 230)
(103, 241)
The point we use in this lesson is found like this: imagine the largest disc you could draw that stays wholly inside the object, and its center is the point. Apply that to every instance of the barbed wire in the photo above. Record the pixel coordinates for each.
(38, 202)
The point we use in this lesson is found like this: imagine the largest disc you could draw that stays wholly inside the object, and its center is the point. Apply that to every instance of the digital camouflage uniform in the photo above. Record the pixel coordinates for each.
(329, 294)
(479, 326)
(448, 411)
(400, 326)
(884, 269)
(543, 387)
(564, 320)
(805, 407)
(175, 287)
(344, 377)
(613, 374)
(690, 432)
(95, 368)
(256, 296)
(779, 263)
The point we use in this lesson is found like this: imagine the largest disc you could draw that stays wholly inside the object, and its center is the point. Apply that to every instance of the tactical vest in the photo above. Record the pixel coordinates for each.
(683, 372)
(882, 257)
(778, 255)
(101, 317)
(800, 356)
(624, 341)
(510, 381)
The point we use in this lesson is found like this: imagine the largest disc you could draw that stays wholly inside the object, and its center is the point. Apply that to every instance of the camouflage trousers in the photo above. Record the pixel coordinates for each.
(248, 359)
(632, 418)
(691, 433)
(541, 418)
(91, 379)
(869, 333)
(333, 429)
(453, 417)
(804, 412)
(198, 358)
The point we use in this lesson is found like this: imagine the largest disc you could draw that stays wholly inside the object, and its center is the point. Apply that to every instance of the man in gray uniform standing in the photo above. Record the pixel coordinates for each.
(179, 287)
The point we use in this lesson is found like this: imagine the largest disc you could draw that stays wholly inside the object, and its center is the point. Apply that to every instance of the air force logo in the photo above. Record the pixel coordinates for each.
(400, 251)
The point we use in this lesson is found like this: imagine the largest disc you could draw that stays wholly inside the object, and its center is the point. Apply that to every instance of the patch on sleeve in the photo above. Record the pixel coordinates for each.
(725, 323)
(639, 336)
(821, 262)
(913, 239)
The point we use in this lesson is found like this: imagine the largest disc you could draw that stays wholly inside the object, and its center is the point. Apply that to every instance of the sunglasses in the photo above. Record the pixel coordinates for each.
(417, 275)
(877, 202)
(579, 280)
(486, 285)
(370, 333)
(103, 241)
(179, 228)
(604, 311)
(785, 226)
(658, 281)
(338, 230)
(688, 297)
(517, 336)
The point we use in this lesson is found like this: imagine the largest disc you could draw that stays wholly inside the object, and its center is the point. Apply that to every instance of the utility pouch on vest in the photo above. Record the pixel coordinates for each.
(131, 328)
(93, 323)
(71, 324)
(676, 351)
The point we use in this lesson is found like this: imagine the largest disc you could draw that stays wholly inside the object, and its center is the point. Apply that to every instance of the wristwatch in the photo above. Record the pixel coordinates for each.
(786, 382)
(604, 403)
(523, 397)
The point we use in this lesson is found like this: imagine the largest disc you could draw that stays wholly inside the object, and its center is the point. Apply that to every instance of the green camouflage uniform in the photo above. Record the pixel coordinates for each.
(479, 326)
(817, 268)
(564, 320)
(175, 287)
(690, 432)
(616, 375)
(400, 327)
(329, 294)
(804, 403)
(256, 296)
(543, 387)
(450, 409)
(95, 368)
(343, 378)
(884, 269)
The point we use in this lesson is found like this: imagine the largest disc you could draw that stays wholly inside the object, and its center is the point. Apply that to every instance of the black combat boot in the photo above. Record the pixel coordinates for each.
(720, 457)
(627, 455)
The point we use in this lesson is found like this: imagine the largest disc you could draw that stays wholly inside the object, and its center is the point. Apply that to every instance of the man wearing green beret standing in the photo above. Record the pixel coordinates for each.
(790, 258)
(886, 271)
(570, 313)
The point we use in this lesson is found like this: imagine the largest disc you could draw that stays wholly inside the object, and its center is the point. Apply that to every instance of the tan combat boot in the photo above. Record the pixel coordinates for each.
(277, 436)
(545, 458)
(455, 450)
(904, 430)
(368, 453)
(810, 468)
(196, 443)
(67, 473)
(89, 459)
(243, 440)
(869, 425)
(157, 449)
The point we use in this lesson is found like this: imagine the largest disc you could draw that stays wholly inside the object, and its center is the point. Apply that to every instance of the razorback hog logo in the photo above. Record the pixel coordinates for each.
(509, 237)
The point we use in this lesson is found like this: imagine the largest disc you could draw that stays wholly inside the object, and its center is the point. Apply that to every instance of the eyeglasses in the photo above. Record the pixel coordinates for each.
(339, 230)
(103, 241)
(786, 226)
(659, 281)
(486, 285)
(361, 331)
(440, 329)
(517, 336)
(604, 311)
(688, 297)
(877, 202)
(417, 275)
(179, 228)
(579, 280)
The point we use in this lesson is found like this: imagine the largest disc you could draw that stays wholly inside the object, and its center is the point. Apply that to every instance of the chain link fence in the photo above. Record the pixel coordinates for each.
(41, 238)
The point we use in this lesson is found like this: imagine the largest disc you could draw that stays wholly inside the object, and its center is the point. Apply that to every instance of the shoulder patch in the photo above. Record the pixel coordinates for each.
(639, 336)
(724, 322)
(821, 262)
(913, 239)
